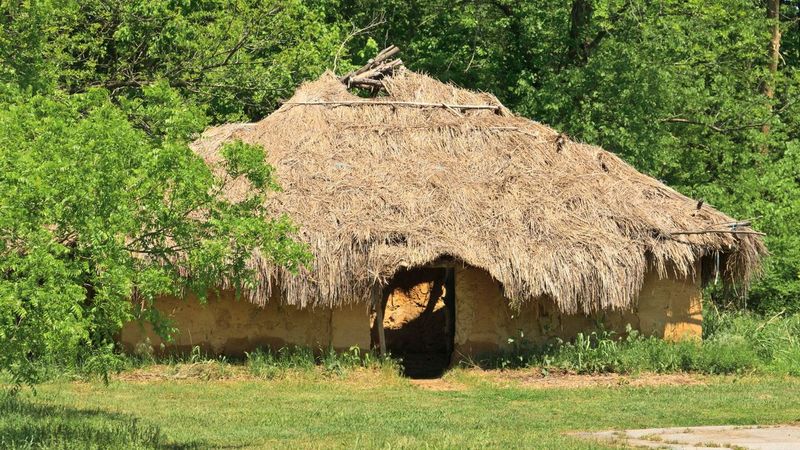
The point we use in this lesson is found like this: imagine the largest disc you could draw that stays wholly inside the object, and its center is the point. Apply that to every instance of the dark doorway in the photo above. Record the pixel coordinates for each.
(419, 320)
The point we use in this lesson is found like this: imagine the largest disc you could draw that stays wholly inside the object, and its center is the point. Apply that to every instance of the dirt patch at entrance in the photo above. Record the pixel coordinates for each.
(437, 384)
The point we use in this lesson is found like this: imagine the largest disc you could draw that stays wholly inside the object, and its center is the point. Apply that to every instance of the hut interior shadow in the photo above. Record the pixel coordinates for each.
(419, 320)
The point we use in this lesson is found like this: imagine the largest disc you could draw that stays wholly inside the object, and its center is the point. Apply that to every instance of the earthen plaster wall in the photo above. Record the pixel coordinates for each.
(485, 322)
(225, 325)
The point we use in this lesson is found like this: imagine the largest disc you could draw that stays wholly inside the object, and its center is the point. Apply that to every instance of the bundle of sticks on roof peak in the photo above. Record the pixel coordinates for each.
(371, 74)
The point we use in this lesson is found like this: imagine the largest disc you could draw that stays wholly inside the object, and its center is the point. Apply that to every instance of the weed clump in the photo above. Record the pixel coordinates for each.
(297, 360)
(733, 342)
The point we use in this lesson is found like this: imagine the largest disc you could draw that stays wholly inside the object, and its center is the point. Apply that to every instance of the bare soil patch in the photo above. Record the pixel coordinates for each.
(779, 437)
(538, 379)
(527, 378)
(438, 384)
(197, 371)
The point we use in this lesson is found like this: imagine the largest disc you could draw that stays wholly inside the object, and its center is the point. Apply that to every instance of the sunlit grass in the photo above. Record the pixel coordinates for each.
(370, 408)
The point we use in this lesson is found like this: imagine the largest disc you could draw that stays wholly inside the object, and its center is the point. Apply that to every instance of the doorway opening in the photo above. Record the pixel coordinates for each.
(418, 308)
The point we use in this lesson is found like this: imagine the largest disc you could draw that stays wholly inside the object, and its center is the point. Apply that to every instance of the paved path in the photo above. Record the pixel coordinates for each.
(783, 437)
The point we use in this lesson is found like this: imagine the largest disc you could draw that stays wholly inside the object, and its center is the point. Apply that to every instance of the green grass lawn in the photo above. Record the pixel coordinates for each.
(373, 410)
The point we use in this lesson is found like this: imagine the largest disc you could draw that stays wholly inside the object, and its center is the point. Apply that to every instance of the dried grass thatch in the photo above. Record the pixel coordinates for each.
(384, 183)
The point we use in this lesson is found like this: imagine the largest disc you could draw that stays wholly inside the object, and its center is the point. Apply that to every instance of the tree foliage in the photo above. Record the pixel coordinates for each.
(235, 59)
(674, 87)
(101, 199)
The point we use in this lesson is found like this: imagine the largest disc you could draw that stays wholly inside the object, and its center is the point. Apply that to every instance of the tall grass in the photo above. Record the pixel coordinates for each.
(268, 364)
(290, 361)
(734, 342)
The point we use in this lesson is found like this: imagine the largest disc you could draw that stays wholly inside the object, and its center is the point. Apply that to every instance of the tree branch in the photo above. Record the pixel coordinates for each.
(712, 127)
(376, 22)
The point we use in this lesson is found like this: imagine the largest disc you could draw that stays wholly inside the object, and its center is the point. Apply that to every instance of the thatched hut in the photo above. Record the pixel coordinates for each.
(441, 223)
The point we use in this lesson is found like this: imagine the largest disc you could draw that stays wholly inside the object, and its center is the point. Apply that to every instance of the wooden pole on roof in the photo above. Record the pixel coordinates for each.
(756, 233)
(375, 70)
(450, 106)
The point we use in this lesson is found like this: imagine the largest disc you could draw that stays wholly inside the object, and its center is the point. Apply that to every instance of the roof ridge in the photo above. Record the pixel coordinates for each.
(450, 106)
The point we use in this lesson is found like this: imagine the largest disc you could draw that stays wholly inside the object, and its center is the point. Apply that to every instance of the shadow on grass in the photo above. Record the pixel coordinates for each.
(28, 425)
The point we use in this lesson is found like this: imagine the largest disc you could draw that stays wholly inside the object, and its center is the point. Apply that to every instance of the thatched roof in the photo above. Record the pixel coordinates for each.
(379, 184)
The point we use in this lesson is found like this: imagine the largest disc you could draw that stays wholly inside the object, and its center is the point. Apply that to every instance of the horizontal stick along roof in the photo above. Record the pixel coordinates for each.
(431, 171)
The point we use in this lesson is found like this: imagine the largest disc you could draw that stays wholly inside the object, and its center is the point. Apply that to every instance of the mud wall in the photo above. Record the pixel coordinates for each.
(669, 308)
(484, 321)
(350, 327)
(228, 326)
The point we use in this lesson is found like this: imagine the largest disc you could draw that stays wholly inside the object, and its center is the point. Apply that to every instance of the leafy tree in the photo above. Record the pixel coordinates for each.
(102, 199)
(94, 212)
(677, 88)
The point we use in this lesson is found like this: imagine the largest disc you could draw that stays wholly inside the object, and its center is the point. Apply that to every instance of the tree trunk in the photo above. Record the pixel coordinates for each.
(773, 53)
(579, 20)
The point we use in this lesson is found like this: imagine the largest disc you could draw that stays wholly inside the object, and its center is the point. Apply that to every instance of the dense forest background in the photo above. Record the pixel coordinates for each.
(98, 99)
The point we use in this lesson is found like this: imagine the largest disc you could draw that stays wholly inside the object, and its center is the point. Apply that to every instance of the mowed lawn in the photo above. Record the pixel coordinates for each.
(366, 410)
